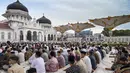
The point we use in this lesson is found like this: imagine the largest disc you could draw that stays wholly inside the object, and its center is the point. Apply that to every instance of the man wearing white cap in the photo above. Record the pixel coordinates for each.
(86, 59)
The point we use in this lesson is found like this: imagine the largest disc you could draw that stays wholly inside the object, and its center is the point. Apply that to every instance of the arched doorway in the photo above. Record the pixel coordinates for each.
(9, 35)
(52, 37)
(44, 37)
(29, 35)
(21, 35)
(34, 36)
(49, 37)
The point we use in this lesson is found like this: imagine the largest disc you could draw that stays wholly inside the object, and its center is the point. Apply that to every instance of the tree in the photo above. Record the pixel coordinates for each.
(121, 33)
(105, 32)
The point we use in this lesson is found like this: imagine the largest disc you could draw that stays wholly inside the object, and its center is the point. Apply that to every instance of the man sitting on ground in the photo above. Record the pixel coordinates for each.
(121, 63)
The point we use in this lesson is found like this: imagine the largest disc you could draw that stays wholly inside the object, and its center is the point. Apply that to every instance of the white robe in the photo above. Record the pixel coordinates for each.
(87, 61)
(39, 64)
(99, 55)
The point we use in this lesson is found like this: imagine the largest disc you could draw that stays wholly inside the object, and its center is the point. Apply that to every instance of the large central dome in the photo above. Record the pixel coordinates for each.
(17, 6)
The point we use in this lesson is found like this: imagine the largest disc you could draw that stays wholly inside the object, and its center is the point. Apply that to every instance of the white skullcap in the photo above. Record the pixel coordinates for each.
(84, 50)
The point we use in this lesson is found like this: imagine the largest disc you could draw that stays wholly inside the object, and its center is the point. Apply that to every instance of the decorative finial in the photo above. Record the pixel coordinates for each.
(43, 14)
(17, 0)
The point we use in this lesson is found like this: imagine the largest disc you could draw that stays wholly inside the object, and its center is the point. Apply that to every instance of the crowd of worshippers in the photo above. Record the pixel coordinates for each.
(49, 59)
(121, 63)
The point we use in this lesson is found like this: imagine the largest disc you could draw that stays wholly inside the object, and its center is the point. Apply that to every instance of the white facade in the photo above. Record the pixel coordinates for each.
(94, 38)
(75, 39)
(4, 34)
(117, 39)
(23, 28)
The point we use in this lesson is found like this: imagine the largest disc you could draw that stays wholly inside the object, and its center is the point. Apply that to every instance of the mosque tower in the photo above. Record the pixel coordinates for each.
(17, 15)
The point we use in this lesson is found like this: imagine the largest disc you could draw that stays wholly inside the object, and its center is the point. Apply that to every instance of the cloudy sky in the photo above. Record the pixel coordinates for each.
(61, 12)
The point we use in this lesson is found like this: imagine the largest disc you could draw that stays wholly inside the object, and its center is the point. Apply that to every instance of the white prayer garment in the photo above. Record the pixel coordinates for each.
(87, 61)
(39, 64)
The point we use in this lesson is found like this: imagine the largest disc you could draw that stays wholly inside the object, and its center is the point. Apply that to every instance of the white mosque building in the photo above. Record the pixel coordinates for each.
(20, 26)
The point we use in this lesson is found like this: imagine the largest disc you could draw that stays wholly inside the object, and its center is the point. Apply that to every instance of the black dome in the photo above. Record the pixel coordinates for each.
(18, 6)
(43, 19)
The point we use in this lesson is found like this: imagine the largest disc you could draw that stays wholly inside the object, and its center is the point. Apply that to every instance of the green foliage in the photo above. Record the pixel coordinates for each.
(110, 44)
(105, 32)
(121, 33)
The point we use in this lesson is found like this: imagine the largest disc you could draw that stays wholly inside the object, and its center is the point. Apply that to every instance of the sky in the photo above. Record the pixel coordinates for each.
(61, 12)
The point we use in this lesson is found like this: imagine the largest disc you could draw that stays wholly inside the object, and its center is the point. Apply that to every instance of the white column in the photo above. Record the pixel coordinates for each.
(46, 37)
(24, 35)
(42, 37)
(55, 37)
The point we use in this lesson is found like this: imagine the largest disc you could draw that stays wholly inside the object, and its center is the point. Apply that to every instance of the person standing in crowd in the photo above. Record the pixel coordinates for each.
(8, 53)
(46, 49)
(96, 57)
(77, 52)
(28, 54)
(45, 55)
(87, 60)
(92, 59)
(81, 64)
(21, 56)
(92, 47)
(73, 67)
(38, 63)
(72, 51)
(101, 52)
(61, 60)
(13, 50)
(65, 55)
(99, 55)
(33, 56)
(52, 64)
(15, 68)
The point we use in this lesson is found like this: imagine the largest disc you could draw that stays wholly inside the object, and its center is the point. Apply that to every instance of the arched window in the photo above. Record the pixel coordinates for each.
(49, 37)
(21, 35)
(2, 35)
(17, 16)
(29, 35)
(52, 37)
(21, 17)
(12, 15)
(44, 37)
(25, 18)
(34, 36)
(9, 35)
